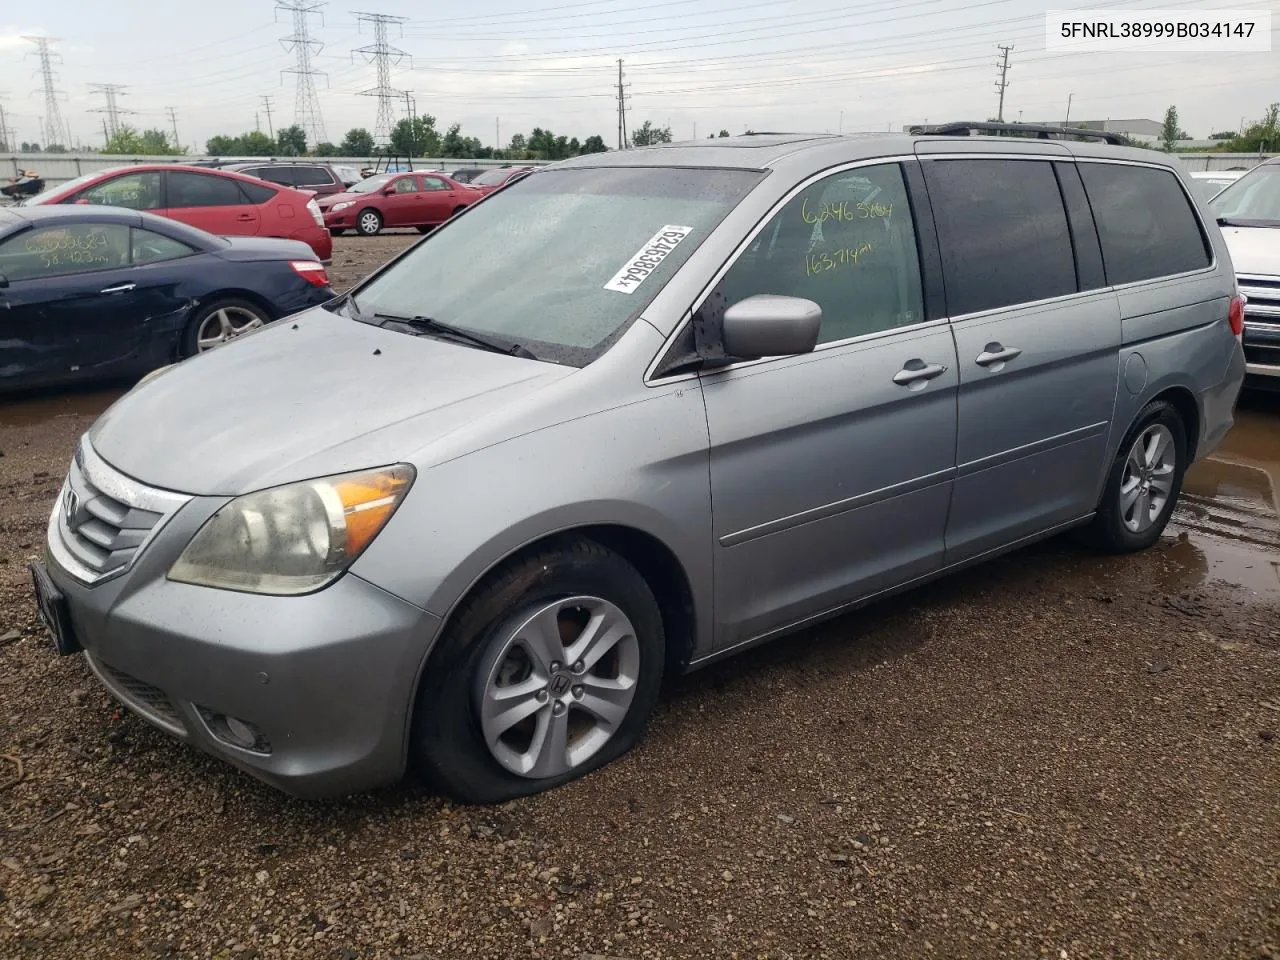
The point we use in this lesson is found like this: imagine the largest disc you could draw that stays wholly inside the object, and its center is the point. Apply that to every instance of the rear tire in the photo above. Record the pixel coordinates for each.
(369, 223)
(1144, 482)
(510, 644)
(336, 231)
(220, 322)
(424, 229)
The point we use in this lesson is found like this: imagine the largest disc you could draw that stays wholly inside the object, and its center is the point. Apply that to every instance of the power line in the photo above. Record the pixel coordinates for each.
(112, 109)
(306, 112)
(382, 55)
(54, 129)
(1003, 67)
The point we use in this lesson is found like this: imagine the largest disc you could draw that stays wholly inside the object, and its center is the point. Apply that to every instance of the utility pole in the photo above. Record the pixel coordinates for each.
(306, 111)
(1067, 122)
(113, 110)
(622, 110)
(53, 129)
(266, 105)
(1003, 82)
(173, 122)
(257, 122)
(409, 104)
(7, 138)
(841, 122)
(497, 133)
(382, 55)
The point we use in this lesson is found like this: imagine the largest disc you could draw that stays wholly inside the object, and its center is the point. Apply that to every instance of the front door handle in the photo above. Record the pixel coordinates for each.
(996, 355)
(119, 288)
(916, 373)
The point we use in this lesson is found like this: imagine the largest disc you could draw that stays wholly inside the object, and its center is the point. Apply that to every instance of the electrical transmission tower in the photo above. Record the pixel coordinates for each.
(7, 138)
(383, 56)
(622, 109)
(1003, 67)
(307, 111)
(112, 109)
(54, 130)
(173, 122)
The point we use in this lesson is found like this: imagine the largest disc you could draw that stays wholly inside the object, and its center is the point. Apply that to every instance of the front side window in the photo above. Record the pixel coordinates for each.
(63, 250)
(1253, 200)
(203, 190)
(152, 247)
(136, 191)
(847, 243)
(1002, 227)
(1145, 222)
(562, 262)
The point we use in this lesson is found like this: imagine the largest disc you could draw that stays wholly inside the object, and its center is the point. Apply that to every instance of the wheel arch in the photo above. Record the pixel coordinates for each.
(1184, 401)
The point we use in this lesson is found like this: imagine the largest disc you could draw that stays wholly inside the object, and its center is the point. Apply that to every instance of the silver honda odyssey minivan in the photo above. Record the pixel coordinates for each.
(633, 413)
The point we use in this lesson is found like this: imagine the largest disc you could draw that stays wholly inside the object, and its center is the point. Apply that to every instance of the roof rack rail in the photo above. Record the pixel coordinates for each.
(1041, 131)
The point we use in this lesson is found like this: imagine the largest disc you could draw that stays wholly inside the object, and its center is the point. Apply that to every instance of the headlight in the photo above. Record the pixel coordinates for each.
(342, 206)
(293, 539)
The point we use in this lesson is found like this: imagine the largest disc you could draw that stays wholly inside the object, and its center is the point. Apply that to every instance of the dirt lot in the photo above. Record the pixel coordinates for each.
(1054, 756)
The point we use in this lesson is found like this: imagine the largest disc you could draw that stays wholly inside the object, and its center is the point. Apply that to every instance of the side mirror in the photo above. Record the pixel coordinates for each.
(4, 281)
(771, 326)
(388, 191)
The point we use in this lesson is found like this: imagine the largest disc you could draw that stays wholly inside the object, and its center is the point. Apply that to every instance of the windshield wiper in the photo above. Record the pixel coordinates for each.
(457, 333)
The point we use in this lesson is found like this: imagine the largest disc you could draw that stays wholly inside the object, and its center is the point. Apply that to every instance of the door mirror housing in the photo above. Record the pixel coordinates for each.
(771, 326)
(388, 191)
(4, 281)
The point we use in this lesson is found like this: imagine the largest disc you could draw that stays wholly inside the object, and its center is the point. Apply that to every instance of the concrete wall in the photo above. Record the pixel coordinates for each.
(59, 167)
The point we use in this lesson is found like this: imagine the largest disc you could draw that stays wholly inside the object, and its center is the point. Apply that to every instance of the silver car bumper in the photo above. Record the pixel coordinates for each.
(323, 684)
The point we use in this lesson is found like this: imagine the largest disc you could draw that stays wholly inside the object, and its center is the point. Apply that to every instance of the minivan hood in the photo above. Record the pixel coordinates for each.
(1254, 250)
(312, 395)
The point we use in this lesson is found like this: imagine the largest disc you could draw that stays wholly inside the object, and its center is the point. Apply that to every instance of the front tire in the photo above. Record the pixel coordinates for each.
(369, 223)
(1144, 482)
(548, 671)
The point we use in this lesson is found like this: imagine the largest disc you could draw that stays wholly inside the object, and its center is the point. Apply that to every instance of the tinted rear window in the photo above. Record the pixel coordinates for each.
(256, 192)
(1145, 222)
(1003, 230)
(203, 190)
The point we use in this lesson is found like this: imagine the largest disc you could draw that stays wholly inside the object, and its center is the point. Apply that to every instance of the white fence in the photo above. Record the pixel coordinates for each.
(57, 168)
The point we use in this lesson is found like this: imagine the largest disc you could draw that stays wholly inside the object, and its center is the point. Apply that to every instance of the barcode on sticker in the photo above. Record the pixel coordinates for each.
(647, 259)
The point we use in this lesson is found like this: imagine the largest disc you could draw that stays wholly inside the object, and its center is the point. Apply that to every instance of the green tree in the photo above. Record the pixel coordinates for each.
(1223, 135)
(293, 141)
(518, 148)
(723, 133)
(255, 143)
(219, 145)
(325, 149)
(417, 137)
(26, 147)
(1170, 132)
(593, 144)
(55, 148)
(648, 135)
(1258, 137)
(357, 143)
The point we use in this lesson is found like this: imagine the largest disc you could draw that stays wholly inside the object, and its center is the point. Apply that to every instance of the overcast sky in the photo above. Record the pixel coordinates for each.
(695, 64)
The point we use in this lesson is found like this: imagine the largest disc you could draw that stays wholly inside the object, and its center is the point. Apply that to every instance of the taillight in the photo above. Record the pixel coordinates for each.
(311, 271)
(1235, 314)
(317, 215)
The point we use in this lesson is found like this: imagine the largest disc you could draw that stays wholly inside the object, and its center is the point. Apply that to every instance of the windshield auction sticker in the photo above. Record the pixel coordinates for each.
(647, 259)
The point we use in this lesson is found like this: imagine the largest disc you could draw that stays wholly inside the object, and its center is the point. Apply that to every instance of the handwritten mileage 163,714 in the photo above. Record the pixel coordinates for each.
(823, 260)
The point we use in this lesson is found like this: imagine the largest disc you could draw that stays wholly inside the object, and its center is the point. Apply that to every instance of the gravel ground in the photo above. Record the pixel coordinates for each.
(1053, 756)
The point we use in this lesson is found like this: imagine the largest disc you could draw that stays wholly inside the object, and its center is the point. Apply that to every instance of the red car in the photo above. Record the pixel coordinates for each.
(419, 199)
(492, 180)
(220, 202)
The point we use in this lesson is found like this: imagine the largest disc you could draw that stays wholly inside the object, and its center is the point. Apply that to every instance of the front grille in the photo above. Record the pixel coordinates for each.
(103, 518)
(144, 698)
(1263, 304)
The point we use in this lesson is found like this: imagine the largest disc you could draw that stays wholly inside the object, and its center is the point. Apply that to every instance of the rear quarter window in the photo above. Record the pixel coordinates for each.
(1145, 220)
(257, 193)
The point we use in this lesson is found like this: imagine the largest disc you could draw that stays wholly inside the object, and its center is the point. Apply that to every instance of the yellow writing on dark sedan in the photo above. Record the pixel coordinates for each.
(823, 260)
(844, 210)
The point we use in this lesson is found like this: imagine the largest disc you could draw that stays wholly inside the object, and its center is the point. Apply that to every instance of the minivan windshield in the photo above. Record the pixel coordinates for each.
(1253, 200)
(562, 261)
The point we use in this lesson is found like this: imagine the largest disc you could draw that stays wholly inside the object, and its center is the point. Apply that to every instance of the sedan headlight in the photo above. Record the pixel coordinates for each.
(293, 539)
(342, 206)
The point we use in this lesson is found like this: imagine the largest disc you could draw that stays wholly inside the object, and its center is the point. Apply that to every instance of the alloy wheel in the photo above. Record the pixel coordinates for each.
(1147, 481)
(224, 325)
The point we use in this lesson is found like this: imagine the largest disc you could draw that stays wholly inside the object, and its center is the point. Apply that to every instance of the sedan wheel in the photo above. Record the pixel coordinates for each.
(369, 223)
(559, 684)
(224, 325)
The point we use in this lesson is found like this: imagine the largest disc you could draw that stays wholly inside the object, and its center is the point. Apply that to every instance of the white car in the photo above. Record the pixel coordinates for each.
(1209, 183)
(1248, 211)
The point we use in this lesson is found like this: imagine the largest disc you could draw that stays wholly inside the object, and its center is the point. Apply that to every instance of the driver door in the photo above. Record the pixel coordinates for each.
(831, 472)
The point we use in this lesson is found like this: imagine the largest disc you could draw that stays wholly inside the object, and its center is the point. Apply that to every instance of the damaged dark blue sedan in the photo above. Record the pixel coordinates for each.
(96, 293)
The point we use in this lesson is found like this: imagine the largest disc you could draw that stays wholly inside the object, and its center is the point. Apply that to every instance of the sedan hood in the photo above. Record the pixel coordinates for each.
(329, 200)
(1254, 250)
(313, 395)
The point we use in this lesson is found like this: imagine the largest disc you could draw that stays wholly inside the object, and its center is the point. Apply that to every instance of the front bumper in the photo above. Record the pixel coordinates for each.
(327, 679)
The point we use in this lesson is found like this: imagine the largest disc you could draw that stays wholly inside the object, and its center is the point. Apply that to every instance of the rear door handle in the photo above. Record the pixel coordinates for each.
(119, 288)
(245, 218)
(996, 355)
(916, 373)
